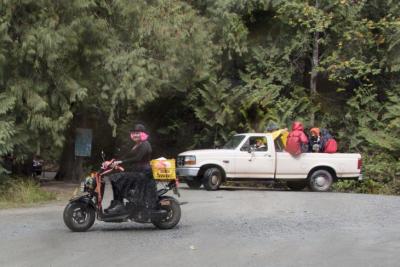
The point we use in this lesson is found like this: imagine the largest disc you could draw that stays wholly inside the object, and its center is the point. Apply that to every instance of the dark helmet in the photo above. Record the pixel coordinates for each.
(139, 128)
(271, 127)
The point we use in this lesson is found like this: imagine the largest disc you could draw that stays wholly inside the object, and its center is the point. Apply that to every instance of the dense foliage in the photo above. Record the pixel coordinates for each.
(197, 71)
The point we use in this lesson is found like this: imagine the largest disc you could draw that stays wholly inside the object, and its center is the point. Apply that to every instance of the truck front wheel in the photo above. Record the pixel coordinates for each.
(212, 179)
(320, 181)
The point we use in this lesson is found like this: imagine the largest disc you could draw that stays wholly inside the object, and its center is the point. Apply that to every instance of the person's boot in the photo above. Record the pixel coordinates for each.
(112, 205)
(119, 208)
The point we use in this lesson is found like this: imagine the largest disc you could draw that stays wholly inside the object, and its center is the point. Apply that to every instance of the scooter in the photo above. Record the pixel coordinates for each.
(81, 211)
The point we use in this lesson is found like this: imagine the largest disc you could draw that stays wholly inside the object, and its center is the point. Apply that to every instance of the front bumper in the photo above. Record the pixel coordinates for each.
(187, 172)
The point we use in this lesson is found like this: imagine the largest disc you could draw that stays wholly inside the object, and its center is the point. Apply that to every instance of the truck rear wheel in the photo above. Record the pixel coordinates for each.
(320, 181)
(212, 179)
(296, 185)
(194, 184)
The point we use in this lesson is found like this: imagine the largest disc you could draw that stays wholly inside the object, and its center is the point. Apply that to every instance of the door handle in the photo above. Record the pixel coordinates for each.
(268, 155)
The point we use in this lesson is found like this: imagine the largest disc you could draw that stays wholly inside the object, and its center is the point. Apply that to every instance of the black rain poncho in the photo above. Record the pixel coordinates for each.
(136, 184)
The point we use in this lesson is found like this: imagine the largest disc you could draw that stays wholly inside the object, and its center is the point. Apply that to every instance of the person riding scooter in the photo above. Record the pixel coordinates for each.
(137, 181)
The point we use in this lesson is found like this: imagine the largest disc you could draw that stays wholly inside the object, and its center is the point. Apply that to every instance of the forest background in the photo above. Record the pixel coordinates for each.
(196, 72)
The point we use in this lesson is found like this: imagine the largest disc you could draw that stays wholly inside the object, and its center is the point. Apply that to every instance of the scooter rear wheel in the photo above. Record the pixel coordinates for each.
(174, 214)
(79, 217)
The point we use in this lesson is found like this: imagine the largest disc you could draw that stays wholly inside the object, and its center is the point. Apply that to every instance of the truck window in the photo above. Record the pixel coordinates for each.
(256, 143)
(234, 142)
(245, 146)
(278, 145)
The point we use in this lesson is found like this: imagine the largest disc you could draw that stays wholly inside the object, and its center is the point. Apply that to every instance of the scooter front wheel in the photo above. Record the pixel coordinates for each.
(171, 205)
(79, 217)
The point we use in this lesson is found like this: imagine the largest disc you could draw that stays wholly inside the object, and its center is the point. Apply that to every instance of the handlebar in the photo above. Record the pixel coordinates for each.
(110, 165)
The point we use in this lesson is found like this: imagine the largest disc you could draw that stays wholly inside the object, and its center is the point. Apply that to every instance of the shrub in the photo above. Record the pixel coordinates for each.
(381, 173)
(15, 192)
(367, 186)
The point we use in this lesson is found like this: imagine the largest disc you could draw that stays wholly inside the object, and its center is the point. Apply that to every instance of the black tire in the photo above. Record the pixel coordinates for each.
(320, 181)
(194, 184)
(174, 214)
(296, 185)
(212, 179)
(79, 217)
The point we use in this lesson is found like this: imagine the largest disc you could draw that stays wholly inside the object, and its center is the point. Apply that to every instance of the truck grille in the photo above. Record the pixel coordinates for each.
(180, 161)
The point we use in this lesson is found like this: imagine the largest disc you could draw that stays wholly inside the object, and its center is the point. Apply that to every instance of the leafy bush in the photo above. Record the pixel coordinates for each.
(367, 186)
(381, 172)
(16, 192)
(382, 168)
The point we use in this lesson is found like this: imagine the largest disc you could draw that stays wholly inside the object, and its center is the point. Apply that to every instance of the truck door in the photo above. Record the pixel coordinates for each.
(255, 159)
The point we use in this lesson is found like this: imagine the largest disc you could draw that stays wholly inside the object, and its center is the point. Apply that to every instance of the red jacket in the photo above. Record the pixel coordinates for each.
(296, 138)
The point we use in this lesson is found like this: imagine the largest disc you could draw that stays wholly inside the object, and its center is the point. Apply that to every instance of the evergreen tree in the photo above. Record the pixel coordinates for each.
(197, 72)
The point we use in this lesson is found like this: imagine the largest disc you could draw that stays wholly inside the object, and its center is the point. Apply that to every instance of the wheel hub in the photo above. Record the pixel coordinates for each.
(214, 179)
(320, 181)
(169, 216)
(79, 216)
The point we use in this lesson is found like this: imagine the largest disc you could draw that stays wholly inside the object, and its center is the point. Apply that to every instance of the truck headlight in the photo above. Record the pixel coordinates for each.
(190, 160)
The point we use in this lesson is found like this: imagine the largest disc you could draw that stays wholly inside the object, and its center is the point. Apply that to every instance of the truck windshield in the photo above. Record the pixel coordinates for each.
(234, 142)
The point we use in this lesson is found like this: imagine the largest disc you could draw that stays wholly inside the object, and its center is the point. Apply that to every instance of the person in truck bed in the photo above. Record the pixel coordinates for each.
(297, 141)
(279, 135)
(315, 140)
(328, 143)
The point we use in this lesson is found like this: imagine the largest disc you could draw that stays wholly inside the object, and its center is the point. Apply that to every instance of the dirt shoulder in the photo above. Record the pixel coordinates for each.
(63, 190)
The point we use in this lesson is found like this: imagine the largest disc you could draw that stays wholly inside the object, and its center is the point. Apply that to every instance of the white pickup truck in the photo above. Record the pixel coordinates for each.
(240, 160)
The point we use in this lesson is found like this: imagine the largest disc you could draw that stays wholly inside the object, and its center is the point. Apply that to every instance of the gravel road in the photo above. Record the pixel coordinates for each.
(222, 228)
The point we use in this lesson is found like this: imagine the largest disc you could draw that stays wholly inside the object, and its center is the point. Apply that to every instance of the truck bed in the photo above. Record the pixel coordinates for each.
(344, 164)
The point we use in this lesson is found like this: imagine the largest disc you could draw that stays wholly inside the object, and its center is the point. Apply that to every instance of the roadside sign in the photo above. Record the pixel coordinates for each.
(83, 142)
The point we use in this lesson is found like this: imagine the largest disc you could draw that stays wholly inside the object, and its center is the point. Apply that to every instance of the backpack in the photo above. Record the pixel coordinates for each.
(293, 145)
(330, 146)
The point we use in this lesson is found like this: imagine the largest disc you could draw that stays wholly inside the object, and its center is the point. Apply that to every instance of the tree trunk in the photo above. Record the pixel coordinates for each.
(67, 160)
(78, 169)
(71, 166)
(314, 72)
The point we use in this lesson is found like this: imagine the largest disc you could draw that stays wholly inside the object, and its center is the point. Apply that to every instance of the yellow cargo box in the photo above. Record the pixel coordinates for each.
(163, 169)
